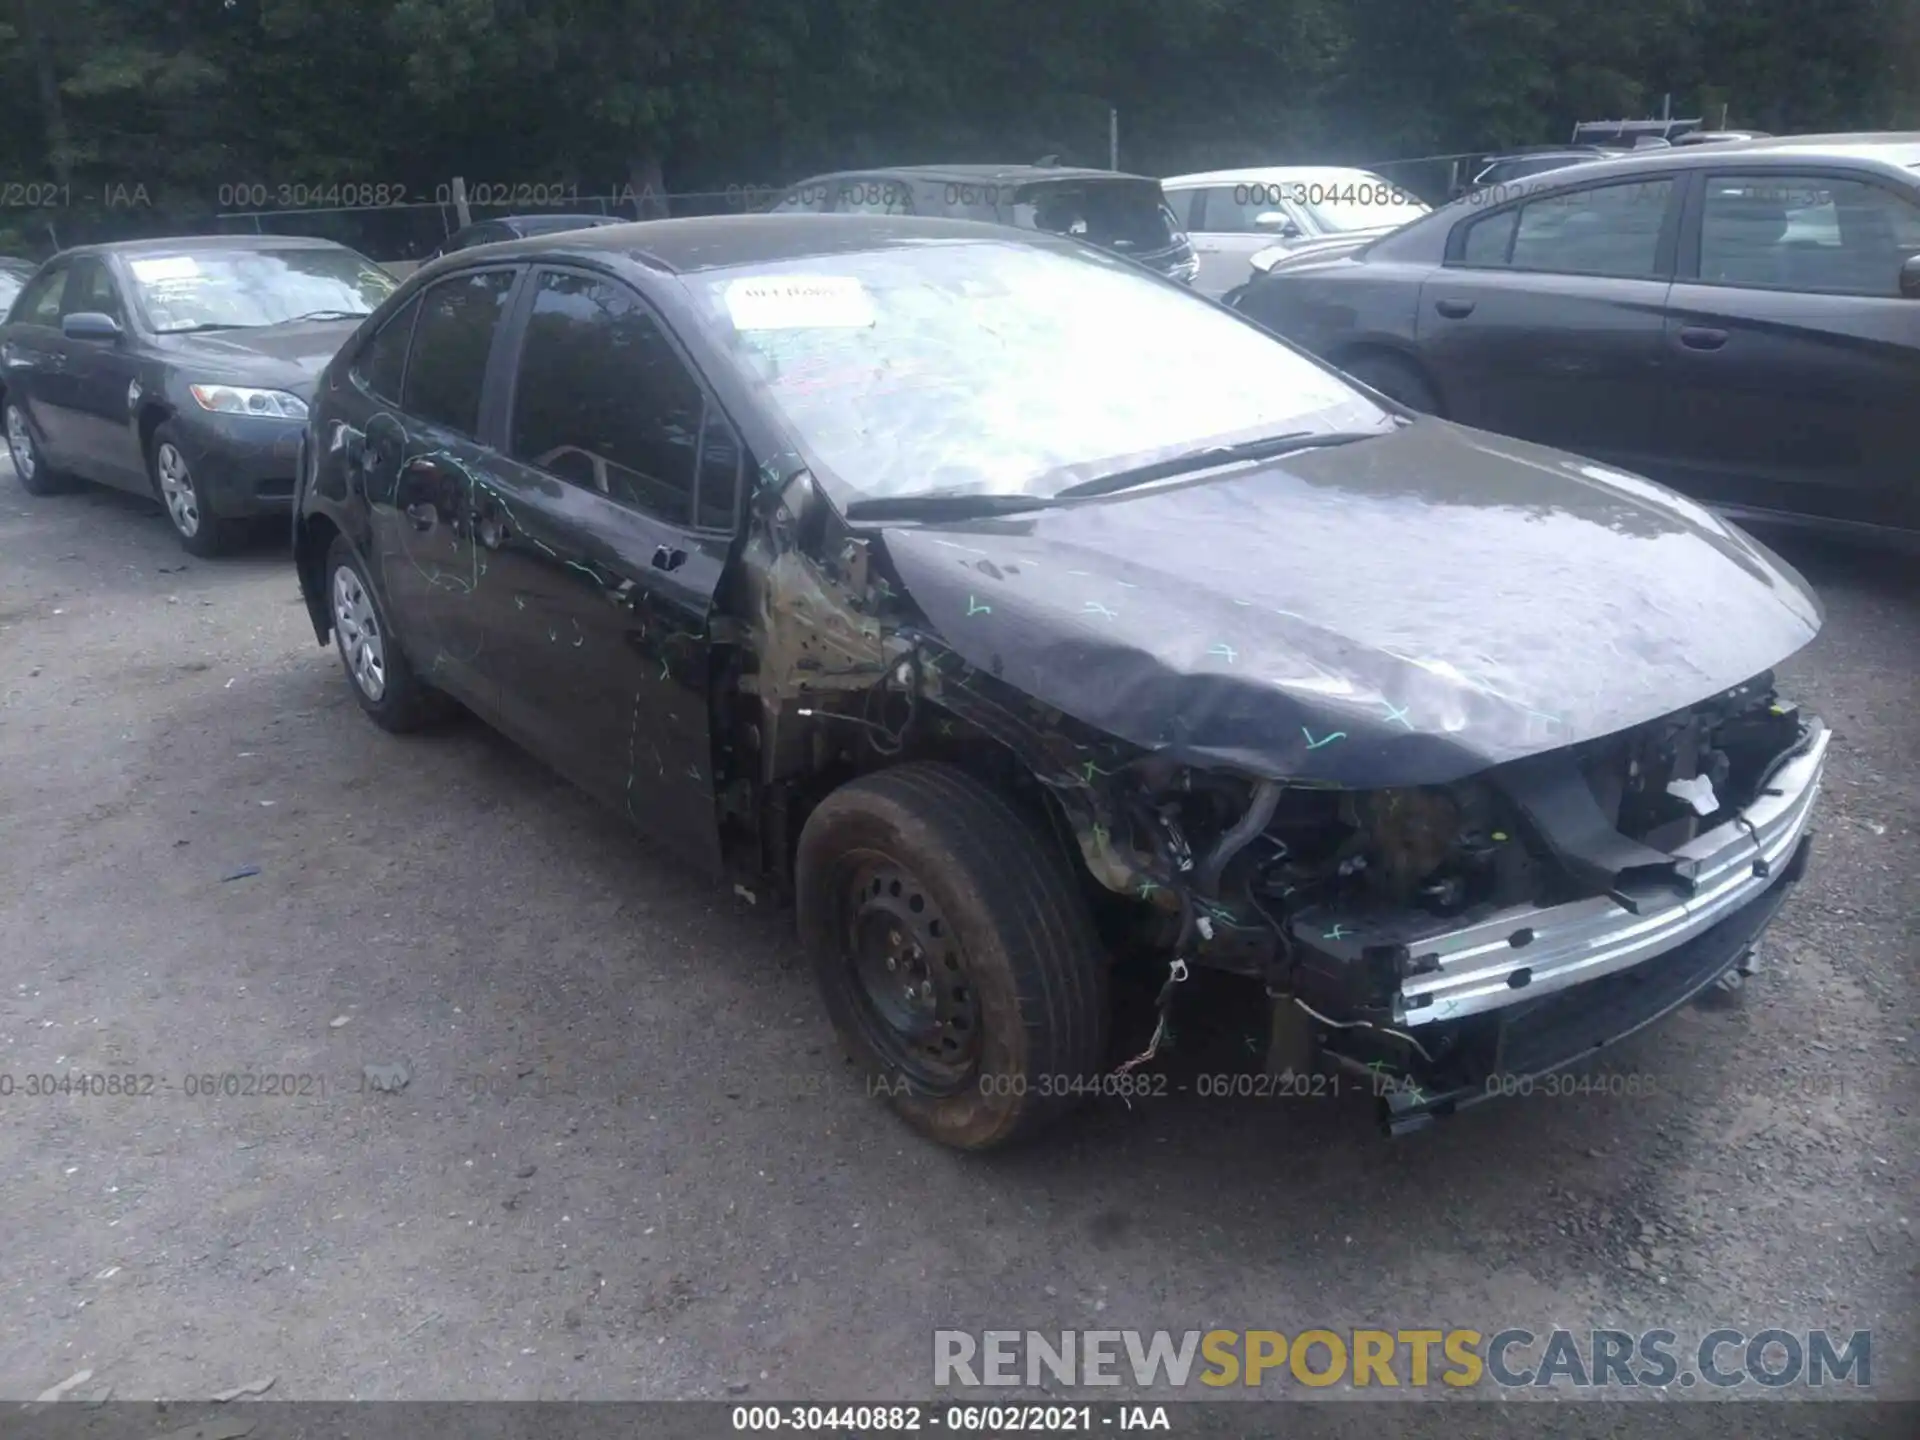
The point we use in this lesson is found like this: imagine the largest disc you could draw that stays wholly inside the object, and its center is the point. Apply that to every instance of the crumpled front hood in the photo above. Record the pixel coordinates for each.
(1405, 610)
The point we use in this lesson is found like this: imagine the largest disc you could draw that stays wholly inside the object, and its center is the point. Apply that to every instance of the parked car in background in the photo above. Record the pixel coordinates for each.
(1738, 320)
(515, 227)
(1508, 166)
(1016, 611)
(178, 368)
(14, 275)
(1716, 137)
(1127, 214)
(1232, 215)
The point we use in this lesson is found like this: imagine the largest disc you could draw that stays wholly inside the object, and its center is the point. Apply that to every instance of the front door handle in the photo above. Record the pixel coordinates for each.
(668, 557)
(1699, 337)
(1454, 309)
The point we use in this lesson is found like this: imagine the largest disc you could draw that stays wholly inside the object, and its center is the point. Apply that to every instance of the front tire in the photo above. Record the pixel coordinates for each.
(29, 467)
(199, 531)
(378, 672)
(955, 954)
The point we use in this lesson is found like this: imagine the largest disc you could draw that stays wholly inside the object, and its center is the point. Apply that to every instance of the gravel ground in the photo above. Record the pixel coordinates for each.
(627, 1160)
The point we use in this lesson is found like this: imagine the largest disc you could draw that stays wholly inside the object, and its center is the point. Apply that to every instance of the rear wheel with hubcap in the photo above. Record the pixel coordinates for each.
(377, 668)
(34, 476)
(198, 528)
(955, 953)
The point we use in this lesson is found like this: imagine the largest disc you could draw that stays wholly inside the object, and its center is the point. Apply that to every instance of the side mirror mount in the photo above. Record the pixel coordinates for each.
(1910, 277)
(90, 325)
(1277, 222)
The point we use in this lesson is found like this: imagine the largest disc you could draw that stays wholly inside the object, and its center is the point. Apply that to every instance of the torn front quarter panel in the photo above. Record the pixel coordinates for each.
(1409, 610)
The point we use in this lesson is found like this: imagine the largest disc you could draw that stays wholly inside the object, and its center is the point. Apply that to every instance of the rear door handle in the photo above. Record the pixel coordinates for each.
(1454, 309)
(1698, 337)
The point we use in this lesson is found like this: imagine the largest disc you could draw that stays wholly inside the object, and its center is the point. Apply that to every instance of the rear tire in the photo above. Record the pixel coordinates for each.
(918, 881)
(1395, 378)
(378, 672)
(29, 467)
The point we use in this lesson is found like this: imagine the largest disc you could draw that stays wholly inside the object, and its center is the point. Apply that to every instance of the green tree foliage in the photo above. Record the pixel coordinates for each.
(150, 112)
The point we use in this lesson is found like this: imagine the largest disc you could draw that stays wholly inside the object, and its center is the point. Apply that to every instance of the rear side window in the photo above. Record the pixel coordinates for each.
(383, 360)
(1601, 230)
(603, 400)
(41, 304)
(1123, 215)
(447, 366)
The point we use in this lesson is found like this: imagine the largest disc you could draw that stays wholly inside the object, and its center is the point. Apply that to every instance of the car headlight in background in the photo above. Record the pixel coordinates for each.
(240, 400)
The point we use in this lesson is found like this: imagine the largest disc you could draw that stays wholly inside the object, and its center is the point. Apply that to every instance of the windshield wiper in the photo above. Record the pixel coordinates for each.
(1210, 457)
(197, 328)
(326, 315)
(942, 507)
(968, 506)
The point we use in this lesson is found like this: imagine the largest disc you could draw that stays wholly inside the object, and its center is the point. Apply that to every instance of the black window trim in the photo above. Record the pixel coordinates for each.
(514, 333)
(1664, 251)
(1687, 267)
(105, 262)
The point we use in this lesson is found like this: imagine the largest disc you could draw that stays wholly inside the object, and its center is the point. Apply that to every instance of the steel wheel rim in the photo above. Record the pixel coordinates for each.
(176, 488)
(358, 629)
(20, 443)
(912, 988)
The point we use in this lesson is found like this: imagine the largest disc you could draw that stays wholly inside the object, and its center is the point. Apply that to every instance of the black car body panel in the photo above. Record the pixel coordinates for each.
(1766, 378)
(1256, 705)
(94, 405)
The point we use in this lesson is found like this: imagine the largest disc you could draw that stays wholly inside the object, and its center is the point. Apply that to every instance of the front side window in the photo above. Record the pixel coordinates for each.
(989, 366)
(1805, 232)
(1611, 230)
(603, 400)
(41, 303)
(452, 340)
(90, 289)
(380, 366)
(242, 289)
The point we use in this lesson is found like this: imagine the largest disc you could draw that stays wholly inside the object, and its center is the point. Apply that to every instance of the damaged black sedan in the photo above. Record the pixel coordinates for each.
(1027, 619)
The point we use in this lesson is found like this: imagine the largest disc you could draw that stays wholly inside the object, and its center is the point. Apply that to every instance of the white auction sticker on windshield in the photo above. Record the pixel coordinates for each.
(165, 267)
(800, 302)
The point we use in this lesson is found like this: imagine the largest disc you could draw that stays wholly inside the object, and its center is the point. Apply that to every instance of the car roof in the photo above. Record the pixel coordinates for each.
(549, 220)
(1270, 175)
(1896, 149)
(977, 174)
(164, 244)
(714, 242)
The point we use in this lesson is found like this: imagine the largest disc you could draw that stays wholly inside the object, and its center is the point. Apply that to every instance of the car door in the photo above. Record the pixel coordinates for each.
(98, 381)
(426, 464)
(1224, 226)
(606, 542)
(1546, 319)
(35, 359)
(1795, 359)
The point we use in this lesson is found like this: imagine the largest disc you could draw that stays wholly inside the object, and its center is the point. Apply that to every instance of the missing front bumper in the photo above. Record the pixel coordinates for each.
(1502, 1053)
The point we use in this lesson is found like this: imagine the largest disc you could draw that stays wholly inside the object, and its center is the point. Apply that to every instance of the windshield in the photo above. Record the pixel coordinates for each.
(252, 288)
(1357, 200)
(983, 367)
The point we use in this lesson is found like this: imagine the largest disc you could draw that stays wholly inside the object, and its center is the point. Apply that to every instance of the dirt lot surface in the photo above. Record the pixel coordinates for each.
(627, 1159)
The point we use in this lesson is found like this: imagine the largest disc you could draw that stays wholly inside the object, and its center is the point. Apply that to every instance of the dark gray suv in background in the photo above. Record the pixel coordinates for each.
(1740, 320)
